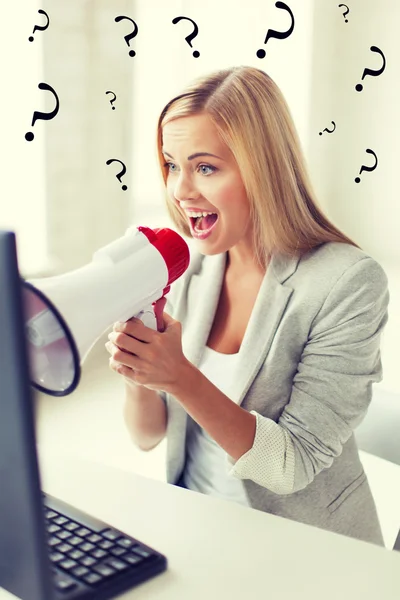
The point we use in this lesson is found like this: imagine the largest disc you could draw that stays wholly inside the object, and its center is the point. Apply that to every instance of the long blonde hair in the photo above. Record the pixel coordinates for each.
(252, 117)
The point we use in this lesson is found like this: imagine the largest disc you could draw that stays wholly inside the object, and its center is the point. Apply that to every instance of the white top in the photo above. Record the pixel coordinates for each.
(210, 470)
(206, 468)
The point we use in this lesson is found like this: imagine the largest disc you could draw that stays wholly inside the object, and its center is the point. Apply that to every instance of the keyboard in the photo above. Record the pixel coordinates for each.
(91, 559)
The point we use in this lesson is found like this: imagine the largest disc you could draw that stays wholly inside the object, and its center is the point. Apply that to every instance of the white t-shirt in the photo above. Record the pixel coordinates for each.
(206, 468)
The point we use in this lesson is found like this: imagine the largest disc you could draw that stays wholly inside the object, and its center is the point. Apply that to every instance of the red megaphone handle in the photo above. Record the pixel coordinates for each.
(158, 308)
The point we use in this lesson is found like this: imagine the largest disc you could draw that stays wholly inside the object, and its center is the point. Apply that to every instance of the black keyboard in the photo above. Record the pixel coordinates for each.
(90, 559)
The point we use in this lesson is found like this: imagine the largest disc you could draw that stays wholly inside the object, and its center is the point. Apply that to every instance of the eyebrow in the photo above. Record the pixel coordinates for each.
(194, 155)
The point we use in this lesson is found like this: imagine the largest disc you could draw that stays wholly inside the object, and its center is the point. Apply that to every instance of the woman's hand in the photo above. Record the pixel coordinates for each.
(146, 357)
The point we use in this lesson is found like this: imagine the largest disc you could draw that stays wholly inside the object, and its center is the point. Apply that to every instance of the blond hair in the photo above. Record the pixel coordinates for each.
(253, 119)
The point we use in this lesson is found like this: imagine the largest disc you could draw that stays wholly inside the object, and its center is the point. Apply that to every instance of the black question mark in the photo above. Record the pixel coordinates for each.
(329, 131)
(278, 34)
(121, 173)
(346, 12)
(190, 37)
(359, 87)
(364, 168)
(113, 100)
(130, 36)
(40, 115)
(37, 27)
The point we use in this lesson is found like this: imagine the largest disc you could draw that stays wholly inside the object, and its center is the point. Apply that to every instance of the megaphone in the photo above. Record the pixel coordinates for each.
(66, 314)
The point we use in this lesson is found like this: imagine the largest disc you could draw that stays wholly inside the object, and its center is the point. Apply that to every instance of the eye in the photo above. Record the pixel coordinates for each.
(167, 164)
(213, 169)
(207, 167)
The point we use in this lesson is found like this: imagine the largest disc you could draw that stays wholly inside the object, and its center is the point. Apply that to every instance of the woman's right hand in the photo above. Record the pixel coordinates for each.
(122, 366)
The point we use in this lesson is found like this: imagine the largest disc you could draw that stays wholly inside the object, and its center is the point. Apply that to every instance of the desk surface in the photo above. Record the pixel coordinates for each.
(218, 549)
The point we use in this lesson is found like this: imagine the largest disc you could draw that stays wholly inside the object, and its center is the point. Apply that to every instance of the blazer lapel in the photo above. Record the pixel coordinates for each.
(266, 315)
(267, 312)
(205, 291)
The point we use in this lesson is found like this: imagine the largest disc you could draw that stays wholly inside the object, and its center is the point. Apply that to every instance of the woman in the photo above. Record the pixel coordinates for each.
(272, 336)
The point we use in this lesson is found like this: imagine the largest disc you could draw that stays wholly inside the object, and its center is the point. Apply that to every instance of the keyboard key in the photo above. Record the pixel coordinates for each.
(83, 531)
(125, 542)
(49, 514)
(117, 564)
(64, 548)
(76, 554)
(80, 571)
(75, 540)
(86, 546)
(118, 551)
(88, 561)
(68, 564)
(104, 570)
(71, 526)
(55, 557)
(132, 559)
(98, 553)
(141, 551)
(92, 578)
(60, 520)
(65, 584)
(53, 541)
(52, 528)
(106, 544)
(94, 537)
(63, 535)
(110, 534)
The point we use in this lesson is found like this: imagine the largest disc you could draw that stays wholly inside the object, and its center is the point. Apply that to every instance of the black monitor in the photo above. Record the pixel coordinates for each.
(24, 560)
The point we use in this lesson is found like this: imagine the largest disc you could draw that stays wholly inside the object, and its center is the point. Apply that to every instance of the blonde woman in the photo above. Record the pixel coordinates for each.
(272, 336)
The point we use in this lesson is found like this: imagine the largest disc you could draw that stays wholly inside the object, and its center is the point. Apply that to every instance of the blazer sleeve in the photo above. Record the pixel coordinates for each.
(332, 388)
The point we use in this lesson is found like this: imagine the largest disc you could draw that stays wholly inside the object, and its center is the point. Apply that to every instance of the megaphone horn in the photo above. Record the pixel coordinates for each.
(66, 314)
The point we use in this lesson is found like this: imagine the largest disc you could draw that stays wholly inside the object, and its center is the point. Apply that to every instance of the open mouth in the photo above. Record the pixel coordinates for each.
(203, 223)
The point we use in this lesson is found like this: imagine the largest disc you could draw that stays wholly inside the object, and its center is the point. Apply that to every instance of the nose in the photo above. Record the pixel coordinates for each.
(184, 189)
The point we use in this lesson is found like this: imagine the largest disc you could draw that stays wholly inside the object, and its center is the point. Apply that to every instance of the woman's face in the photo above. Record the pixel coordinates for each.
(207, 183)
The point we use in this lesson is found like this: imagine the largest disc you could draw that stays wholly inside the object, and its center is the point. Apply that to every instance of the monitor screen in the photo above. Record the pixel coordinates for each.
(24, 562)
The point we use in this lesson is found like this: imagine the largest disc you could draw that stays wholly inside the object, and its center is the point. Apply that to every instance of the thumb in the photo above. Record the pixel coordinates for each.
(168, 320)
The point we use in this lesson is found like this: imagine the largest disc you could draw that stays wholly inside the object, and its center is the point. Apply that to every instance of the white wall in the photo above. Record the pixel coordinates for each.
(64, 202)
(22, 180)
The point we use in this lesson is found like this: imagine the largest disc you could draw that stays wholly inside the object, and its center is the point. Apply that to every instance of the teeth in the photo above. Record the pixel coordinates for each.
(200, 214)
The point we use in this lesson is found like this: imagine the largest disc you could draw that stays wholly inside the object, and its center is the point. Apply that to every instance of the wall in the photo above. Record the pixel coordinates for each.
(64, 200)
(23, 178)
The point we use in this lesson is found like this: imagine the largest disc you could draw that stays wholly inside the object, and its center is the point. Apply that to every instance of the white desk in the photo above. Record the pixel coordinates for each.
(221, 550)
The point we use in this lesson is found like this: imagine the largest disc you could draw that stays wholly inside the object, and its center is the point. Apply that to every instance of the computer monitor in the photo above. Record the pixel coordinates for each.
(24, 559)
(98, 561)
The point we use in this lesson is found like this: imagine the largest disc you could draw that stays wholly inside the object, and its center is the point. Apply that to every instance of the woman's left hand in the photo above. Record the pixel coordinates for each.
(150, 358)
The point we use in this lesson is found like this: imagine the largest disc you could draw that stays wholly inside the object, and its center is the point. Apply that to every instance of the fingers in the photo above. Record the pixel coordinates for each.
(123, 370)
(119, 357)
(125, 342)
(134, 328)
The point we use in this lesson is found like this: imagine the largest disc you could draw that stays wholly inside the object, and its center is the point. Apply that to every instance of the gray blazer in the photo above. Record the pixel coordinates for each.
(309, 357)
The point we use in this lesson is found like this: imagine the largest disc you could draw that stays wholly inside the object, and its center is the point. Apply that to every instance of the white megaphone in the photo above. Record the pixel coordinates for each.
(66, 314)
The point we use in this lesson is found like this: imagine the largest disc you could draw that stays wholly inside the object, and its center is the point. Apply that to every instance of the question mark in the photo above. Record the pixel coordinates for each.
(190, 37)
(364, 168)
(346, 12)
(45, 116)
(278, 34)
(326, 129)
(113, 100)
(359, 87)
(37, 27)
(130, 36)
(121, 173)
